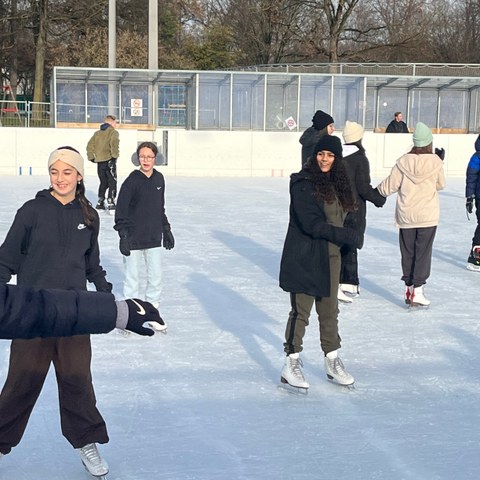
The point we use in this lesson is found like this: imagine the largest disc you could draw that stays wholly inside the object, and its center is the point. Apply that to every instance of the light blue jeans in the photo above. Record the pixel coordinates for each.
(143, 275)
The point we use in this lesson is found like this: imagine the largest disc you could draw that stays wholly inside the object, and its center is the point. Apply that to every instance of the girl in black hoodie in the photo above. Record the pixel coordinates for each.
(53, 243)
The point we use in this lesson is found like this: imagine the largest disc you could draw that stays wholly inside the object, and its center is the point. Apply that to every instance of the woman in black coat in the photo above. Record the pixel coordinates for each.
(320, 199)
(358, 170)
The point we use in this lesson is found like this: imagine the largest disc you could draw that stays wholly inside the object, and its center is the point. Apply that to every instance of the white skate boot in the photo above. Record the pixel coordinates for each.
(350, 289)
(92, 461)
(418, 298)
(1, 455)
(292, 374)
(336, 371)
(473, 262)
(342, 297)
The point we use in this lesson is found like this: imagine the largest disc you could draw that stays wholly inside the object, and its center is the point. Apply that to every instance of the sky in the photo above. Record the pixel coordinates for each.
(203, 402)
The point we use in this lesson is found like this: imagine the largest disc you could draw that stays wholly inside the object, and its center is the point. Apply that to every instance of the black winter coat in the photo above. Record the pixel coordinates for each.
(397, 127)
(309, 139)
(358, 170)
(305, 263)
(49, 246)
(28, 313)
(140, 211)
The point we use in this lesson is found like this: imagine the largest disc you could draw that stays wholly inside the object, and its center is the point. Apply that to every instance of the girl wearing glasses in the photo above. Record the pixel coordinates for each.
(143, 226)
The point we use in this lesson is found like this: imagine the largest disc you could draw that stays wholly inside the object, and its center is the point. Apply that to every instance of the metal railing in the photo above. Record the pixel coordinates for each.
(24, 114)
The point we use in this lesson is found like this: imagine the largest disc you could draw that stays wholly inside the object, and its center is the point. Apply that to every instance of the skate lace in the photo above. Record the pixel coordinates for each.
(90, 453)
(338, 368)
(295, 366)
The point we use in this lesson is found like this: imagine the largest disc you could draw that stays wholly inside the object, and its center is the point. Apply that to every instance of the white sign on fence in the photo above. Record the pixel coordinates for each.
(136, 105)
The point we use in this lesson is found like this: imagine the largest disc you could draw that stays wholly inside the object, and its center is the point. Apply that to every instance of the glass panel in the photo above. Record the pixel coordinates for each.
(348, 100)
(98, 103)
(135, 104)
(70, 102)
(423, 107)
(391, 100)
(314, 95)
(214, 101)
(453, 109)
(248, 100)
(172, 105)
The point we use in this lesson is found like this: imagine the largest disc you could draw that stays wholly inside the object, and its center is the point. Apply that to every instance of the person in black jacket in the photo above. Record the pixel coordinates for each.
(143, 226)
(472, 196)
(53, 243)
(29, 313)
(320, 199)
(397, 125)
(322, 124)
(358, 169)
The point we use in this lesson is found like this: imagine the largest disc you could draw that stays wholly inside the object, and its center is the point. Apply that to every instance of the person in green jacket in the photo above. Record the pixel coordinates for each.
(103, 149)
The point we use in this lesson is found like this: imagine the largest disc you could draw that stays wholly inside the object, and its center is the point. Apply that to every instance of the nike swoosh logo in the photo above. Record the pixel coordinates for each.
(141, 310)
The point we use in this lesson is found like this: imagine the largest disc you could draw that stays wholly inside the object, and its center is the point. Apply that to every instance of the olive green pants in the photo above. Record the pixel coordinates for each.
(327, 311)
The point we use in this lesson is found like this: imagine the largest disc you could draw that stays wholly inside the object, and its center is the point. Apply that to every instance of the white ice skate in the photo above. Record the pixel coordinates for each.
(343, 297)
(1, 455)
(292, 375)
(336, 371)
(473, 262)
(93, 462)
(350, 289)
(418, 298)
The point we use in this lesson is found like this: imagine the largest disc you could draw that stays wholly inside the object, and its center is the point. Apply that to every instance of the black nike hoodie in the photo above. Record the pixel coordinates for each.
(49, 246)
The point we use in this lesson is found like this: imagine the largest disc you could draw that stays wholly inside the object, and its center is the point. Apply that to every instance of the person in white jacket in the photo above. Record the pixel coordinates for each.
(416, 178)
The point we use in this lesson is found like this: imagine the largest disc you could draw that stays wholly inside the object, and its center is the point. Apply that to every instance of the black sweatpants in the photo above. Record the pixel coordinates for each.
(107, 174)
(416, 245)
(30, 360)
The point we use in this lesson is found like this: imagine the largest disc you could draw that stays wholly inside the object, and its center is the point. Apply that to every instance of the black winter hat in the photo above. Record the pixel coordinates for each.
(330, 143)
(321, 120)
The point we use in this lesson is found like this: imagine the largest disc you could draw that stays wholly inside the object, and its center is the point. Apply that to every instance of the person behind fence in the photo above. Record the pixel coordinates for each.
(53, 243)
(472, 195)
(416, 178)
(103, 148)
(320, 199)
(397, 125)
(322, 124)
(143, 226)
(358, 170)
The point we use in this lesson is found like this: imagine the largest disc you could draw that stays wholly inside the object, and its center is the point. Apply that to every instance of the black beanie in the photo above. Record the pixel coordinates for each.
(330, 143)
(321, 120)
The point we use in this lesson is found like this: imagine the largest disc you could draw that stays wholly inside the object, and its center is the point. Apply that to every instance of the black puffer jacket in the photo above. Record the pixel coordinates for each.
(358, 170)
(49, 246)
(140, 212)
(28, 313)
(305, 263)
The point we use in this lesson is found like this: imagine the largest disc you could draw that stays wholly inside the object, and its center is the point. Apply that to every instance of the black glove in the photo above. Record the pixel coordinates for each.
(168, 240)
(379, 200)
(124, 245)
(469, 204)
(143, 318)
(440, 152)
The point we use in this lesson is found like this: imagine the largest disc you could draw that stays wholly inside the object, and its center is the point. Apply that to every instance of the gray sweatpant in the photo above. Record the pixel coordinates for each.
(416, 245)
(327, 311)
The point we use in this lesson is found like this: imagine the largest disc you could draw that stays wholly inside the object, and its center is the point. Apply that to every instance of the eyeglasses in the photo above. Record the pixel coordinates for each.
(146, 157)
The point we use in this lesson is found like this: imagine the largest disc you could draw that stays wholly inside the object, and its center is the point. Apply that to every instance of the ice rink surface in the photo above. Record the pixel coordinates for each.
(203, 403)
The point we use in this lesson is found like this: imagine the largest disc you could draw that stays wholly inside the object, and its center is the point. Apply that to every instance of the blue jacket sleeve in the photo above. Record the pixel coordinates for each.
(473, 171)
(29, 313)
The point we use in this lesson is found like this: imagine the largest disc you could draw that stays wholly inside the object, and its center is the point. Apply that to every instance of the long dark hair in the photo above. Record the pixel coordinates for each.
(332, 184)
(88, 211)
(421, 150)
